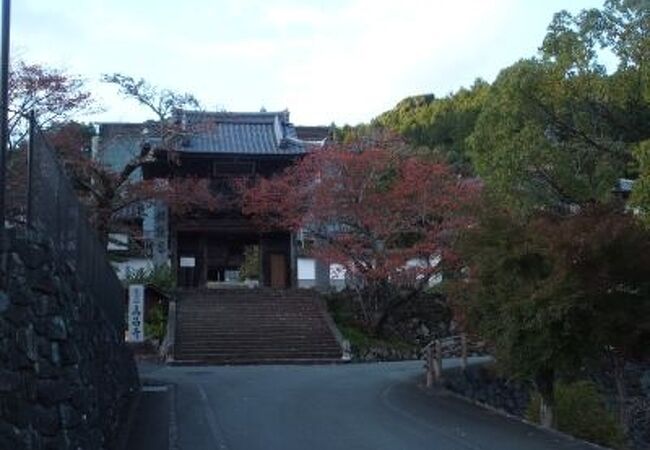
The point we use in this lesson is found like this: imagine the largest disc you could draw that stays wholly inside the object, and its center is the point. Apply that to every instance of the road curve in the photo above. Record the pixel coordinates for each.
(347, 407)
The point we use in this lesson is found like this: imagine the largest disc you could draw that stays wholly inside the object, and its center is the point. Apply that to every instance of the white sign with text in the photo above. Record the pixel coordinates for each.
(136, 313)
(187, 261)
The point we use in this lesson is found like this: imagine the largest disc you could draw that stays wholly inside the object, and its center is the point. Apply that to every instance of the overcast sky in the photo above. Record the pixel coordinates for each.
(332, 60)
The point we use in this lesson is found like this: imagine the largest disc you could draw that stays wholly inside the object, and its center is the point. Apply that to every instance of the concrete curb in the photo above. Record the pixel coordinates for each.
(126, 426)
(168, 344)
(343, 343)
(503, 413)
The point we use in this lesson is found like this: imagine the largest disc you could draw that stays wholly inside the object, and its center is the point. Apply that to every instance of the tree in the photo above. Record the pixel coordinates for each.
(163, 103)
(554, 293)
(52, 94)
(386, 217)
(439, 125)
(640, 198)
(109, 193)
(560, 129)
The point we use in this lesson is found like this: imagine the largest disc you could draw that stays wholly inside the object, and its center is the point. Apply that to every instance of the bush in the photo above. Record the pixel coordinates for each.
(155, 325)
(163, 277)
(250, 269)
(581, 412)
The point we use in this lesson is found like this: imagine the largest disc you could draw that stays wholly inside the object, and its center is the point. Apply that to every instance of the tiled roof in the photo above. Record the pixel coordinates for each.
(260, 133)
(257, 133)
(311, 133)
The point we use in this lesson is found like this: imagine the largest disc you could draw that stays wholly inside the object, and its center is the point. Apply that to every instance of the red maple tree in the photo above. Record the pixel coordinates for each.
(110, 195)
(386, 217)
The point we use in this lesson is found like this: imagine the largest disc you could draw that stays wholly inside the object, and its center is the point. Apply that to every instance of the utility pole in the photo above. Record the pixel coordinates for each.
(4, 105)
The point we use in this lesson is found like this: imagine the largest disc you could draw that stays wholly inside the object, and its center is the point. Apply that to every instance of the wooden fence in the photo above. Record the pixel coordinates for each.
(459, 346)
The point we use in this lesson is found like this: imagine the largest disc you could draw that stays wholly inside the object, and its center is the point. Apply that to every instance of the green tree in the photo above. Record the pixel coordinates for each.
(641, 194)
(440, 126)
(553, 293)
(559, 128)
(573, 400)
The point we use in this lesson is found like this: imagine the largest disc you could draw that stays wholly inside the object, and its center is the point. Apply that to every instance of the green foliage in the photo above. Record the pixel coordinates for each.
(155, 325)
(439, 125)
(554, 293)
(361, 341)
(559, 128)
(581, 412)
(528, 327)
(348, 134)
(641, 193)
(250, 269)
(341, 308)
(163, 277)
(545, 138)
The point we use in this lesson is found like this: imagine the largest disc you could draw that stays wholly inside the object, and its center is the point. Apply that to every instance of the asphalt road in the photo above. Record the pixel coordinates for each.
(346, 407)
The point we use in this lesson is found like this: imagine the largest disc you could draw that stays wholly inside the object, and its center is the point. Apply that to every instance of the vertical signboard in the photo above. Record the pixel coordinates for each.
(136, 313)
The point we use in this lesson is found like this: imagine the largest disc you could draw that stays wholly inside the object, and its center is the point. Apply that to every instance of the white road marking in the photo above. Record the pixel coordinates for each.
(212, 419)
(456, 437)
(173, 423)
(155, 388)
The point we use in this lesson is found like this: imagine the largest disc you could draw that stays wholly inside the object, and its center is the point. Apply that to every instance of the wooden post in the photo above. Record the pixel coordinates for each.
(429, 359)
(463, 349)
(437, 366)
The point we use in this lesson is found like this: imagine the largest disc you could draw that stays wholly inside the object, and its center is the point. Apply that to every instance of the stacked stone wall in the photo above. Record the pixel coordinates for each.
(66, 377)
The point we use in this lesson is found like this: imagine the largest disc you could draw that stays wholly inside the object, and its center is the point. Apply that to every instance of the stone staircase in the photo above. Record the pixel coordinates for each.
(253, 326)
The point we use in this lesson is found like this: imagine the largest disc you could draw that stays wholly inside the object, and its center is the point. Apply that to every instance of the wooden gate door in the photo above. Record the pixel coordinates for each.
(278, 271)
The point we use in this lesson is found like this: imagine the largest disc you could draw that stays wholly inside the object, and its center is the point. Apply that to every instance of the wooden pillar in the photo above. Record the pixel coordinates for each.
(173, 236)
(437, 360)
(463, 349)
(429, 360)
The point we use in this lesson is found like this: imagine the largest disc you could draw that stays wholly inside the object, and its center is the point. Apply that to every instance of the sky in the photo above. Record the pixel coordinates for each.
(342, 61)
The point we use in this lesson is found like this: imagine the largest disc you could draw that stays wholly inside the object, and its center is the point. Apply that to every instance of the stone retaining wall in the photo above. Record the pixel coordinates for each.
(479, 383)
(66, 377)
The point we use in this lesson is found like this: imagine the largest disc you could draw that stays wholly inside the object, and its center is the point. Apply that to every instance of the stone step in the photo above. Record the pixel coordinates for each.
(282, 334)
(211, 325)
(253, 341)
(257, 341)
(248, 317)
(222, 320)
(250, 300)
(245, 326)
(306, 333)
(256, 355)
(257, 359)
(260, 292)
(236, 308)
(257, 350)
(254, 327)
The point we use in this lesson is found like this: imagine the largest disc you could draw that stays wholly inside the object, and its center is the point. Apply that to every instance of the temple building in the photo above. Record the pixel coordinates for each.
(220, 248)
